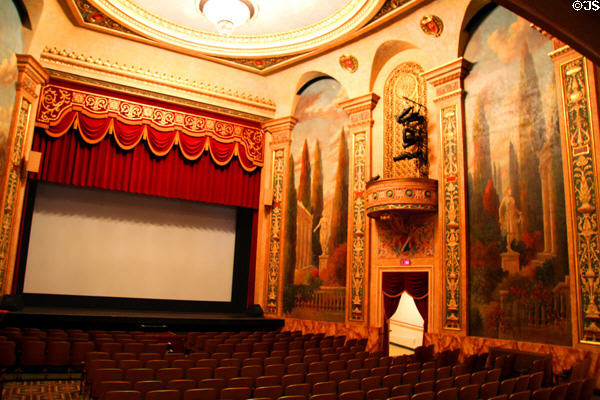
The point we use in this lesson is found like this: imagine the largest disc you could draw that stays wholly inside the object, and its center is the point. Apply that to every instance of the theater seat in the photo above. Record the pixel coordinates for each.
(123, 395)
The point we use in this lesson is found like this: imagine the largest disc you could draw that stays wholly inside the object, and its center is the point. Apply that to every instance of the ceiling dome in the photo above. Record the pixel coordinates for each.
(277, 27)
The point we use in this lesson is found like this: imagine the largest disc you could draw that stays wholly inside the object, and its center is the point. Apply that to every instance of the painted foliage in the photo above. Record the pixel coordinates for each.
(10, 44)
(518, 272)
(317, 206)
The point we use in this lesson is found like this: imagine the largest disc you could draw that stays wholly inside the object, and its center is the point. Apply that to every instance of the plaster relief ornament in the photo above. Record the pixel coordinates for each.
(432, 25)
(349, 63)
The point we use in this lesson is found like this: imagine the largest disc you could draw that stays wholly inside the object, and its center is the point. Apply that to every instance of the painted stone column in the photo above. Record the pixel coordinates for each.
(576, 85)
(360, 111)
(449, 98)
(31, 77)
(281, 138)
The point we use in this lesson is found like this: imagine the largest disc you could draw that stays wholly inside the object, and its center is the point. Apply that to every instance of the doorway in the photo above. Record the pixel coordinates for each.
(405, 305)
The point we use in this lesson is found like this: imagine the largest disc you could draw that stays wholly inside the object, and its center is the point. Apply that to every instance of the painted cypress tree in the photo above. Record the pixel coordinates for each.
(316, 205)
(304, 184)
(513, 174)
(481, 219)
(532, 134)
(289, 249)
(339, 208)
(482, 169)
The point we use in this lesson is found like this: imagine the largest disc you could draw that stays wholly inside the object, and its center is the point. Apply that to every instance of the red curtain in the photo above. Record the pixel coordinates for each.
(159, 142)
(415, 284)
(103, 163)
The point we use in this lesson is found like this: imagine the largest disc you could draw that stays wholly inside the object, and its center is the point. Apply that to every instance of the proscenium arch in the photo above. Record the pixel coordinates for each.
(383, 54)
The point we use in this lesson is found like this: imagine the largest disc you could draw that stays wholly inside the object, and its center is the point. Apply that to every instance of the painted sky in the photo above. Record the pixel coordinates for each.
(320, 118)
(10, 43)
(495, 48)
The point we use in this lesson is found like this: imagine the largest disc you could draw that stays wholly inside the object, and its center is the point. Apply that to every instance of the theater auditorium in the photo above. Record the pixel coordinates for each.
(260, 199)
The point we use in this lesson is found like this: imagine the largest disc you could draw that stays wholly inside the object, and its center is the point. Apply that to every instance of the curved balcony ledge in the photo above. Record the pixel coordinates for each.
(401, 196)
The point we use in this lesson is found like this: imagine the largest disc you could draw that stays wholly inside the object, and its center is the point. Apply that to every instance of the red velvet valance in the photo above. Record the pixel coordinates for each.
(131, 121)
(68, 159)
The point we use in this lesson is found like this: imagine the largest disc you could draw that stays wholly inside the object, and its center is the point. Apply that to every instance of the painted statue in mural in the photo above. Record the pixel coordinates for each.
(317, 206)
(510, 219)
(518, 272)
(10, 44)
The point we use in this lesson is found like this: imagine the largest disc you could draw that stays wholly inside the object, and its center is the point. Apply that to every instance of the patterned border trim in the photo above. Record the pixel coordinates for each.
(89, 16)
(69, 77)
(358, 227)
(71, 59)
(412, 207)
(451, 225)
(388, 7)
(260, 64)
(92, 15)
(56, 101)
(12, 184)
(276, 228)
(581, 151)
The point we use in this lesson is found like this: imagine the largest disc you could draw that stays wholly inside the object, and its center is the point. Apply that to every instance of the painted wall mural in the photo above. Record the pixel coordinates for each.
(316, 221)
(518, 272)
(10, 44)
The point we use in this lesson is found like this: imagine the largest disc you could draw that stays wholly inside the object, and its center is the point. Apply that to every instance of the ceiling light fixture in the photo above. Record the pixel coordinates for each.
(226, 15)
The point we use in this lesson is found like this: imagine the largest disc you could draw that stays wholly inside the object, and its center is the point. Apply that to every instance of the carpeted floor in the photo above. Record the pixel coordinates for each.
(41, 390)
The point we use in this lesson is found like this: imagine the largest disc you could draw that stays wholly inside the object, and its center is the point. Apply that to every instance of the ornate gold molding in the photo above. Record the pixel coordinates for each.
(129, 15)
(280, 130)
(404, 81)
(580, 134)
(360, 111)
(448, 82)
(31, 76)
(73, 60)
(90, 17)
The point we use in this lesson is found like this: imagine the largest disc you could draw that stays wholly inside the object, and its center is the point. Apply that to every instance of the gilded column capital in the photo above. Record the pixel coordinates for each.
(280, 130)
(448, 78)
(359, 110)
(31, 75)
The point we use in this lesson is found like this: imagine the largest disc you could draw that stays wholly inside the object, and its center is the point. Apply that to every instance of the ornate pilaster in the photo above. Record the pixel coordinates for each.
(576, 77)
(448, 83)
(360, 111)
(29, 80)
(281, 137)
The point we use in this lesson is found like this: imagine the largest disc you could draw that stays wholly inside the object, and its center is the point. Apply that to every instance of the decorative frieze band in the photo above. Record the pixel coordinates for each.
(275, 237)
(360, 113)
(451, 220)
(448, 82)
(280, 131)
(580, 151)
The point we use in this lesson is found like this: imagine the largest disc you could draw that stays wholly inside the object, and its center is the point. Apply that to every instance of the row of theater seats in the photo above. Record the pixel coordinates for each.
(297, 392)
(386, 376)
(369, 388)
(31, 347)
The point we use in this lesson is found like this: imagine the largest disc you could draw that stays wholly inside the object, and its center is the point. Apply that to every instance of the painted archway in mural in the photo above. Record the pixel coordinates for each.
(314, 254)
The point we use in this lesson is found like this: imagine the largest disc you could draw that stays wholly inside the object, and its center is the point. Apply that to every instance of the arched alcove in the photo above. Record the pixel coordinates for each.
(384, 53)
